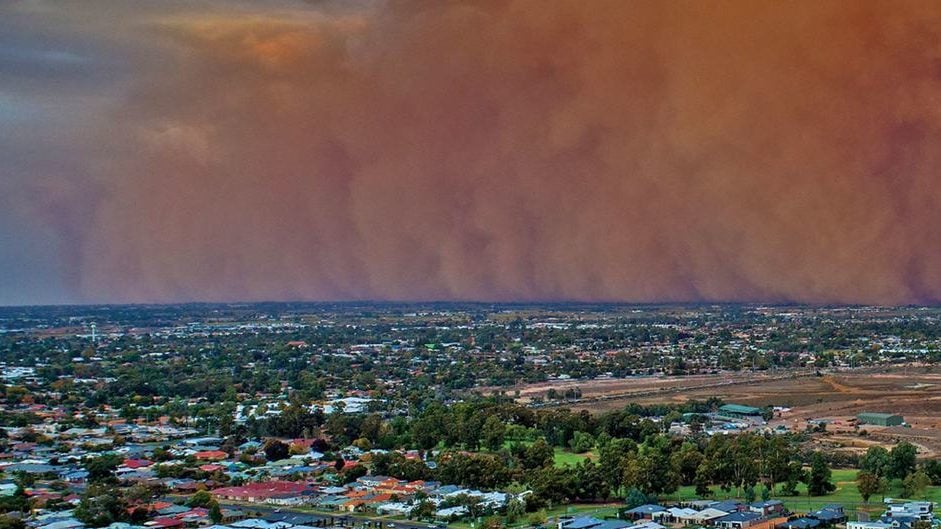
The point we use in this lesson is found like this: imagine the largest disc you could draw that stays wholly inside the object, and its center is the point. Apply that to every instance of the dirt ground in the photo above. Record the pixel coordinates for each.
(913, 392)
(640, 389)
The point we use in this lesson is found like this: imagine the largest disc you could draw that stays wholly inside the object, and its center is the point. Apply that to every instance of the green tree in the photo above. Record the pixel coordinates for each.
(611, 459)
(538, 455)
(915, 484)
(581, 442)
(687, 461)
(589, 481)
(492, 522)
(902, 460)
(765, 494)
(515, 509)
(351, 474)
(215, 513)
(102, 468)
(553, 485)
(202, 498)
(775, 465)
(635, 498)
(275, 450)
(876, 461)
(868, 484)
(10, 522)
(795, 474)
(933, 469)
(18, 502)
(750, 494)
(101, 505)
(425, 510)
(493, 433)
(703, 479)
(652, 471)
(431, 427)
(819, 481)
(537, 518)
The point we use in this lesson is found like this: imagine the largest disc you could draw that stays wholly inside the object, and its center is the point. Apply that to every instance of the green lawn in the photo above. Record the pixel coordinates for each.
(846, 493)
(563, 457)
(586, 509)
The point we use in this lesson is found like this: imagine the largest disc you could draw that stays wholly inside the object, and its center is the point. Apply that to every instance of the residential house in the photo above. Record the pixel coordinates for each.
(767, 508)
(645, 512)
(737, 520)
(801, 523)
(829, 515)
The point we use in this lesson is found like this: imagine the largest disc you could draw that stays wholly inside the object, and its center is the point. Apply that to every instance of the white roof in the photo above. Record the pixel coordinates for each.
(684, 512)
(451, 511)
(258, 523)
(63, 524)
(708, 514)
(647, 525)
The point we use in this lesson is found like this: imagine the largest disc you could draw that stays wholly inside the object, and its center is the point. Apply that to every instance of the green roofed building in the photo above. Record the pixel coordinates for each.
(880, 419)
(739, 411)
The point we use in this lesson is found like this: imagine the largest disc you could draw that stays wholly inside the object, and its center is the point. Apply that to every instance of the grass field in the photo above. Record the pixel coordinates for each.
(563, 457)
(846, 494)
(587, 509)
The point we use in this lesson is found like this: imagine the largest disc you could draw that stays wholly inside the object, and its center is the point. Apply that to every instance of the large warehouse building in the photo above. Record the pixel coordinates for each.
(880, 419)
(737, 411)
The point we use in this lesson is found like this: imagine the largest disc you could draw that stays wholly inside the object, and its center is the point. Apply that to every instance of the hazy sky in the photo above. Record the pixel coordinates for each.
(496, 149)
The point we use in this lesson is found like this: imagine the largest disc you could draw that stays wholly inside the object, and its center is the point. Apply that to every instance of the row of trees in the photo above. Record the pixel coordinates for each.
(656, 467)
(879, 467)
(481, 423)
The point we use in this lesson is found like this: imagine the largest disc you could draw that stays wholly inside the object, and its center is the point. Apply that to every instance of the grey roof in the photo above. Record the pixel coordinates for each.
(739, 517)
(582, 522)
(70, 523)
(727, 505)
(613, 524)
(767, 503)
(801, 523)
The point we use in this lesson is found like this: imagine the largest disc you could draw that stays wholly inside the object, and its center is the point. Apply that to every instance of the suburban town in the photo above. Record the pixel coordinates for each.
(568, 417)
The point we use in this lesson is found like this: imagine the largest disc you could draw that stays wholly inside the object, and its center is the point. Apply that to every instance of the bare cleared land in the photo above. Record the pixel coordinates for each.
(601, 394)
(913, 392)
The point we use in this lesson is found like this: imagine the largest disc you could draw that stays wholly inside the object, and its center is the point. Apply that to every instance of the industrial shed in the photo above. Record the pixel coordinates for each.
(880, 419)
(739, 411)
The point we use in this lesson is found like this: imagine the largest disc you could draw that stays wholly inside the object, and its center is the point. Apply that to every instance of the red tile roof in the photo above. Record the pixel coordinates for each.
(137, 463)
(212, 455)
(264, 489)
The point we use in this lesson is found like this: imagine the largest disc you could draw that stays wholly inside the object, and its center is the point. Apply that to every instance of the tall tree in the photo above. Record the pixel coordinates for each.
(538, 455)
(915, 484)
(868, 484)
(493, 433)
(215, 512)
(819, 481)
(902, 460)
(101, 505)
(275, 450)
(102, 468)
(876, 461)
(611, 458)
